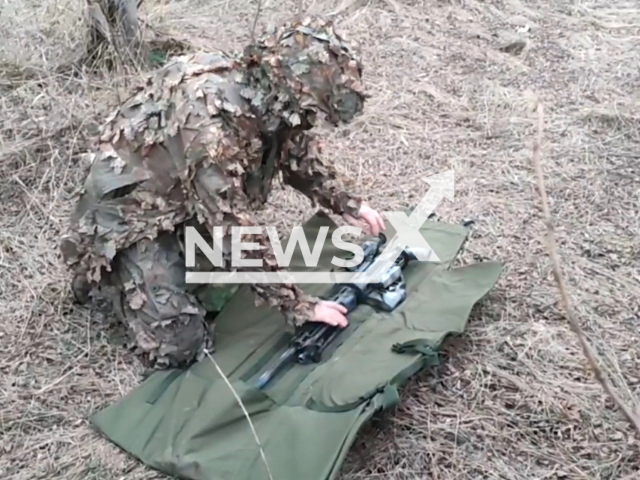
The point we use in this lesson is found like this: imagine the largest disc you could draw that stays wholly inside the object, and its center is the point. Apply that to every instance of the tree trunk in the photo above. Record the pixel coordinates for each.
(115, 29)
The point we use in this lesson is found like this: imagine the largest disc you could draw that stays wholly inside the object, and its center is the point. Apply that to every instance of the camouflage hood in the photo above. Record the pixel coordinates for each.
(316, 71)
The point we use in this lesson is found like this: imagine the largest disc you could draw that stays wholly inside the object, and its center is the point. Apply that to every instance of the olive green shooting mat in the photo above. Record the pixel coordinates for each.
(188, 424)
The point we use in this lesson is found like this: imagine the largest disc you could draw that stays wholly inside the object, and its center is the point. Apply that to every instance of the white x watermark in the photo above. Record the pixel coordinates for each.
(407, 236)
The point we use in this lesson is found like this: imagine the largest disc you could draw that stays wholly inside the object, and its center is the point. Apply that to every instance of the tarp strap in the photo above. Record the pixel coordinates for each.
(421, 346)
(390, 397)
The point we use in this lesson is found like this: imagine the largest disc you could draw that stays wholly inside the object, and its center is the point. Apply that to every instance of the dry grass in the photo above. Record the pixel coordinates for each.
(516, 399)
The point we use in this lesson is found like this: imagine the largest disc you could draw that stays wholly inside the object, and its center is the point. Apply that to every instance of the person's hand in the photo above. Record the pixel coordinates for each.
(331, 313)
(369, 220)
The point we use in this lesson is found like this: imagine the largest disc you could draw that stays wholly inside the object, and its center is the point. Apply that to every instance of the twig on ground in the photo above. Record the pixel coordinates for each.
(299, 12)
(244, 410)
(557, 273)
(344, 7)
(255, 21)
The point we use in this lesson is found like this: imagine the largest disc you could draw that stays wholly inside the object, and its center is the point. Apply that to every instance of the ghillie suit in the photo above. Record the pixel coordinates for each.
(199, 144)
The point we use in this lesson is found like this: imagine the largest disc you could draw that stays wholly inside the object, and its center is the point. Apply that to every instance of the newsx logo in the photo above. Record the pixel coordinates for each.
(214, 253)
(407, 235)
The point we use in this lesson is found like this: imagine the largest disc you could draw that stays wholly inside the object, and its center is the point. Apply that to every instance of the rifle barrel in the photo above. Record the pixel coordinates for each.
(283, 360)
(313, 338)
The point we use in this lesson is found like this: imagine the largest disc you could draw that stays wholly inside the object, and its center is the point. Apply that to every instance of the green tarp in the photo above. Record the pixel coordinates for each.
(189, 424)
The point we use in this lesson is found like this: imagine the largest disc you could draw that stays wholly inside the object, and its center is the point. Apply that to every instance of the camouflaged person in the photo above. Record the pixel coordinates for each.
(200, 144)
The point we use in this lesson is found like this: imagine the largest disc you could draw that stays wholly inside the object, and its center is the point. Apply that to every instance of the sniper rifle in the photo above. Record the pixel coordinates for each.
(313, 338)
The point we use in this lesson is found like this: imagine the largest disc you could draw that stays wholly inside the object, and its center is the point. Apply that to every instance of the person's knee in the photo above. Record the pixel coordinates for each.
(146, 288)
(168, 324)
(171, 343)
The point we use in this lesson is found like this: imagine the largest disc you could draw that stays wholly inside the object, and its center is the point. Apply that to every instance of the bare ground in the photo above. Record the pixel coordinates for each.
(515, 400)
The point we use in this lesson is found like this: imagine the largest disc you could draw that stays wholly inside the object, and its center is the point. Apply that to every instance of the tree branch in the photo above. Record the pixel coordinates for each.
(255, 21)
(557, 273)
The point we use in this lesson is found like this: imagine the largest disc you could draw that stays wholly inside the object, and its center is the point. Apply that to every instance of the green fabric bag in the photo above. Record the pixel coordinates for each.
(188, 423)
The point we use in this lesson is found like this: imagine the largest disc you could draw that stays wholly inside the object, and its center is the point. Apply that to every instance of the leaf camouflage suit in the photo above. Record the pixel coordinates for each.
(199, 144)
